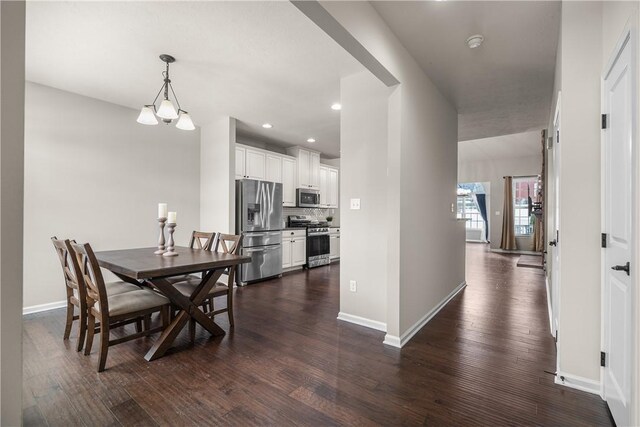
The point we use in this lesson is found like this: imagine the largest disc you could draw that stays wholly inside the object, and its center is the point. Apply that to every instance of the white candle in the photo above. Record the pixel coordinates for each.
(171, 219)
(162, 210)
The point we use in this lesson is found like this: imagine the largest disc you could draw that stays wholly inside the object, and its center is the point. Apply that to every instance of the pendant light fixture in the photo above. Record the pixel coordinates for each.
(166, 111)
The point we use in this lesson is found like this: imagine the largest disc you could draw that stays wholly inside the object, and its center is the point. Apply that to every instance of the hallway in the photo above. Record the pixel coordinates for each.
(480, 361)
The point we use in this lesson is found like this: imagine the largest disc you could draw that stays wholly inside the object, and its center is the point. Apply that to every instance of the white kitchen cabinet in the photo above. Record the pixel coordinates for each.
(286, 253)
(334, 247)
(240, 160)
(308, 163)
(288, 182)
(298, 251)
(333, 187)
(255, 164)
(294, 248)
(324, 188)
(273, 165)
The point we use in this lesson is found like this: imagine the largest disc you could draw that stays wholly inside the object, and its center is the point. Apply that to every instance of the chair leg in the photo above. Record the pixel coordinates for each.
(83, 329)
(211, 307)
(147, 322)
(165, 314)
(230, 305)
(104, 343)
(91, 329)
(139, 324)
(192, 330)
(67, 328)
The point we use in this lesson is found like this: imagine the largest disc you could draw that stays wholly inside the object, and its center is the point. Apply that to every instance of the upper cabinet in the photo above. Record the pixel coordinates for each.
(308, 167)
(254, 163)
(328, 186)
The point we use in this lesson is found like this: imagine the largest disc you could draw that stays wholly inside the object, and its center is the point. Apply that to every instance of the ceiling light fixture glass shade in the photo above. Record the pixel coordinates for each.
(167, 110)
(185, 122)
(147, 116)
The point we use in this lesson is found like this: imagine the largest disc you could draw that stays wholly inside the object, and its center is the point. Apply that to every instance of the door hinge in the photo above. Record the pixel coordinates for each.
(603, 242)
(604, 121)
(603, 359)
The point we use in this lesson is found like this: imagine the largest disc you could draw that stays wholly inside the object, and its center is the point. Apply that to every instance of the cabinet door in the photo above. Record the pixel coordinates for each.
(240, 159)
(333, 247)
(286, 253)
(288, 182)
(303, 168)
(255, 164)
(298, 252)
(274, 168)
(333, 187)
(314, 170)
(324, 188)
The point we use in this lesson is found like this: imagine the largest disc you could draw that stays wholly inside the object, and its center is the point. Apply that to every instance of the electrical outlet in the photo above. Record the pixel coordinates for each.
(353, 287)
(497, 213)
(453, 208)
(355, 204)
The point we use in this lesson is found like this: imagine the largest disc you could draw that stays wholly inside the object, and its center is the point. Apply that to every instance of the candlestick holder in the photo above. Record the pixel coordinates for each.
(170, 244)
(161, 248)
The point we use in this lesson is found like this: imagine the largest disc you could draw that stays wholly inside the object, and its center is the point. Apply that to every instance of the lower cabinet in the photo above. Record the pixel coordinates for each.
(294, 248)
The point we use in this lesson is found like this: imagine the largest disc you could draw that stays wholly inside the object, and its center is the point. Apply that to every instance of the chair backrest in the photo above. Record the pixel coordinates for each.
(229, 244)
(70, 267)
(91, 276)
(202, 240)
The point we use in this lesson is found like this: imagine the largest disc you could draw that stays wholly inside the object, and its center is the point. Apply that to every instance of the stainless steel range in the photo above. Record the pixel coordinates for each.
(318, 240)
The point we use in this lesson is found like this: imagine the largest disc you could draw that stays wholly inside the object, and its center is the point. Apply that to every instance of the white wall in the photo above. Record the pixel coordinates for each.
(493, 170)
(421, 170)
(363, 141)
(95, 175)
(217, 176)
(12, 39)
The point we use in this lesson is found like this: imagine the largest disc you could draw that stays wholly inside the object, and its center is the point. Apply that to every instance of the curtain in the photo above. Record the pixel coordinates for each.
(481, 201)
(508, 226)
(538, 234)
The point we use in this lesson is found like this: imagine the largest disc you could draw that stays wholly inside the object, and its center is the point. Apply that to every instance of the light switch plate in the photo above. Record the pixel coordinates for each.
(453, 208)
(355, 204)
(497, 212)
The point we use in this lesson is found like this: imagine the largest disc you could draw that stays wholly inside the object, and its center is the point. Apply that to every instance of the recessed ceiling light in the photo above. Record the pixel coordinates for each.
(267, 125)
(311, 140)
(337, 106)
(475, 41)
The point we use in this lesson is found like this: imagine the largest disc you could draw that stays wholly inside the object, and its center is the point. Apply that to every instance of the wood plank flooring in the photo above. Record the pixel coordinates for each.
(480, 361)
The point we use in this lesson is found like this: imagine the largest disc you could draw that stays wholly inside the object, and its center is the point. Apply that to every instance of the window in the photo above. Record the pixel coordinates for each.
(525, 190)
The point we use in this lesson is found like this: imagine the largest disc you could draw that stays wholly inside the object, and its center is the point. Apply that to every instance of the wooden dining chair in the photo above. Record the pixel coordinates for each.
(199, 240)
(76, 294)
(114, 310)
(225, 243)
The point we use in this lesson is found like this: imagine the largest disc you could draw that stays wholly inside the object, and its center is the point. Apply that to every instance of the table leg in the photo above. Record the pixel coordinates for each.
(189, 309)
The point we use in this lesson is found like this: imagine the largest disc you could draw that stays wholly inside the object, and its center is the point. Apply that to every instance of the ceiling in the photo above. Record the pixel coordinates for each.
(256, 61)
(503, 87)
(501, 147)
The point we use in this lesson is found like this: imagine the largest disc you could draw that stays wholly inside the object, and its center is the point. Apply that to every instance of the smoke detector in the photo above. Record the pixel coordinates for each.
(475, 41)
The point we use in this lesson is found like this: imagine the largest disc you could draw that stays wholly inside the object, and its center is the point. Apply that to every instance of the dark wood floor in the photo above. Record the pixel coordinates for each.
(480, 361)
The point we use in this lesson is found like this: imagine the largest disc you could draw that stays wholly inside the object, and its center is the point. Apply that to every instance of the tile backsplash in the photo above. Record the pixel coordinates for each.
(319, 214)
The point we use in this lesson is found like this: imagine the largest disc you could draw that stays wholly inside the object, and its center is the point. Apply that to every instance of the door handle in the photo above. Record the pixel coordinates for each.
(553, 243)
(624, 268)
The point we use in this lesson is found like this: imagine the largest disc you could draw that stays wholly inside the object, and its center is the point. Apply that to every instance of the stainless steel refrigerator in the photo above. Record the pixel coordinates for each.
(259, 220)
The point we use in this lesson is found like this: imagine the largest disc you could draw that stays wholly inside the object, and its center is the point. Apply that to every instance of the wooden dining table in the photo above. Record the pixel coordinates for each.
(141, 266)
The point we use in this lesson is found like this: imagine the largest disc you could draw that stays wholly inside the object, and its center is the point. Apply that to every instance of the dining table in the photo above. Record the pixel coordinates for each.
(141, 266)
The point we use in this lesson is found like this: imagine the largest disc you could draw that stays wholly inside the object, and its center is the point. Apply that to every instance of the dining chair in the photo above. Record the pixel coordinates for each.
(228, 244)
(76, 294)
(199, 240)
(114, 310)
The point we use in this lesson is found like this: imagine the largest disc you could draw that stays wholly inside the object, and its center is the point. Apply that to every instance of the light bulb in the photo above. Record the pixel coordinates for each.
(185, 122)
(147, 117)
(167, 110)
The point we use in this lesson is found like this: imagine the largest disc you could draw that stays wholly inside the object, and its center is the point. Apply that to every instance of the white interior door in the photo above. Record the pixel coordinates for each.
(618, 274)
(554, 242)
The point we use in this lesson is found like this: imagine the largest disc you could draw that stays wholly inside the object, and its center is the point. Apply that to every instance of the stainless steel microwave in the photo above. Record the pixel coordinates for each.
(306, 198)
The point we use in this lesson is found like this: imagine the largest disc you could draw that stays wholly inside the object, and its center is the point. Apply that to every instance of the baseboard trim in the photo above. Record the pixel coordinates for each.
(44, 307)
(362, 321)
(549, 308)
(578, 383)
(400, 341)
